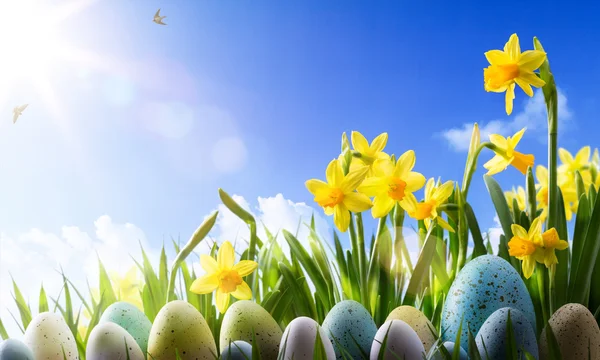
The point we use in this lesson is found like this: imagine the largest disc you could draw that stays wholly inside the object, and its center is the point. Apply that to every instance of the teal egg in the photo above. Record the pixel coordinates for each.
(493, 334)
(347, 324)
(130, 318)
(13, 349)
(484, 285)
(237, 350)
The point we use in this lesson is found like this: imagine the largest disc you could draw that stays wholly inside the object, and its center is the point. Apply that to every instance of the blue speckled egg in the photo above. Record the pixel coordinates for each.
(449, 345)
(348, 323)
(13, 349)
(237, 350)
(483, 286)
(130, 318)
(494, 335)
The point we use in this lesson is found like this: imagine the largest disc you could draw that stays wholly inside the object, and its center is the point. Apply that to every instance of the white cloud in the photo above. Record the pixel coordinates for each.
(494, 234)
(533, 117)
(36, 257)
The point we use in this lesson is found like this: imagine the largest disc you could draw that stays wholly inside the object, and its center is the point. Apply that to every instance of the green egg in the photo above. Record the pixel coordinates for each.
(130, 318)
(244, 319)
(178, 326)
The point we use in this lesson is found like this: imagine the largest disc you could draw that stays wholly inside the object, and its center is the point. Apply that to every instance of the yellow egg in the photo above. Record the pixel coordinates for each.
(417, 321)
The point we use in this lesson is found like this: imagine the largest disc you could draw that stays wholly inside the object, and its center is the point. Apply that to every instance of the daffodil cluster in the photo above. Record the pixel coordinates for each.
(377, 181)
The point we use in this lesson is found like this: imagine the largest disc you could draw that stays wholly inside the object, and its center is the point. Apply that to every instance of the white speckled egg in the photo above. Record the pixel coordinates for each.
(299, 338)
(347, 324)
(130, 318)
(402, 342)
(109, 341)
(245, 318)
(47, 335)
(484, 285)
(494, 336)
(13, 349)
(575, 330)
(417, 321)
(179, 326)
(237, 350)
(449, 345)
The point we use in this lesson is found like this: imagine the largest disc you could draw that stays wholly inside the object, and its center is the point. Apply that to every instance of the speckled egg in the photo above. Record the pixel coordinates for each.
(130, 318)
(483, 286)
(402, 342)
(449, 345)
(13, 349)
(417, 321)
(347, 324)
(245, 318)
(109, 341)
(298, 341)
(574, 327)
(178, 325)
(237, 350)
(493, 333)
(47, 335)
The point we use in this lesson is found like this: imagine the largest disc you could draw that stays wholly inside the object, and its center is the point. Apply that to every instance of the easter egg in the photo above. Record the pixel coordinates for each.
(576, 333)
(347, 324)
(299, 338)
(486, 284)
(244, 320)
(450, 346)
(402, 342)
(417, 321)
(130, 318)
(493, 336)
(237, 350)
(179, 326)
(47, 335)
(109, 341)
(13, 349)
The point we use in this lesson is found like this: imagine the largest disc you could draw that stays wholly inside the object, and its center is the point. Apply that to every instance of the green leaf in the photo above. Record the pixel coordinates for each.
(479, 247)
(511, 344)
(3, 333)
(473, 350)
(23, 307)
(421, 268)
(43, 301)
(561, 277)
(106, 289)
(553, 347)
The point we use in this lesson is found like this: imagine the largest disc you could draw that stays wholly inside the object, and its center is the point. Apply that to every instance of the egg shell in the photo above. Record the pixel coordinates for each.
(245, 318)
(13, 349)
(484, 285)
(179, 326)
(493, 333)
(449, 345)
(47, 335)
(574, 328)
(130, 318)
(348, 323)
(298, 341)
(402, 342)
(237, 350)
(417, 321)
(109, 341)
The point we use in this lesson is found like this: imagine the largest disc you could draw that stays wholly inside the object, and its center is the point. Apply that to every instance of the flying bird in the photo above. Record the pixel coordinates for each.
(18, 111)
(158, 19)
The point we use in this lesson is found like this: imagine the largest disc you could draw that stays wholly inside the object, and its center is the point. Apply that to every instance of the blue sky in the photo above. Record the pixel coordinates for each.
(138, 129)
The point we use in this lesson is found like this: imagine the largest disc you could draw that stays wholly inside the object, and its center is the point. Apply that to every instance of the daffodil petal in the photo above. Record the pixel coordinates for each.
(497, 57)
(541, 174)
(409, 203)
(382, 205)
(444, 224)
(565, 156)
(442, 193)
(512, 47)
(532, 79)
(351, 181)
(328, 211)
(525, 86)
(372, 186)
(315, 186)
(379, 143)
(226, 256)
(510, 96)
(245, 267)
(357, 202)
(528, 267)
(405, 164)
(242, 292)
(383, 167)
(531, 60)
(334, 173)
(341, 217)
(209, 264)
(429, 188)
(205, 284)
(222, 301)
(583, 156)
(519, 231)
(534, 228)
(499, 141)
(359, 142)
(522, 161)
(414, 181)
(496, 165)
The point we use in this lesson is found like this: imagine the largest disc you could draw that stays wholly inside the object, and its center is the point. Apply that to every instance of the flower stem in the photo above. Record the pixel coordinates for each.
(362, 257)
(542, 290)
(551, 273)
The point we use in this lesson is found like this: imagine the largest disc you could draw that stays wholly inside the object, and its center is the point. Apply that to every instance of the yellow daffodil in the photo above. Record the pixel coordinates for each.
(551, 242)
(571, 164)
(507, 155)
(127, 288)
(428, 209)
(525, 245)
(368, 153)
(568, 192)
(512, 66)
(337, 196)
(391, 184)
(224, 276)
(519, 195)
